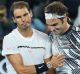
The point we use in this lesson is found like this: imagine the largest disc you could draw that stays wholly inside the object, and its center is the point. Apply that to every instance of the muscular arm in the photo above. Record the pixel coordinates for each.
(20, 68)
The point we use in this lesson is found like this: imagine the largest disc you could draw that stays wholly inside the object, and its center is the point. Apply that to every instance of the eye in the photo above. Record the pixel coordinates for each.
(55, 24)
(18, 17)
(25, 14)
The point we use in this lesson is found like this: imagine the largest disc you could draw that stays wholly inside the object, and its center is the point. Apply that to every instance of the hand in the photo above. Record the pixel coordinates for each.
(57, 60)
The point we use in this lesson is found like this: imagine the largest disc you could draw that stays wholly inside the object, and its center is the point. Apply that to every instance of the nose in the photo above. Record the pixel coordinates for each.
(23, 18)
(51, 28)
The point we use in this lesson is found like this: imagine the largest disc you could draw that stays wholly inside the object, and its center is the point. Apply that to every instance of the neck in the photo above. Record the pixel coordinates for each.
(26, 33)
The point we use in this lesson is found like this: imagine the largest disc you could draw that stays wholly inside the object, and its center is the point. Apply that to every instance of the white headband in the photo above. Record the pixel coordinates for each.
(53, 16)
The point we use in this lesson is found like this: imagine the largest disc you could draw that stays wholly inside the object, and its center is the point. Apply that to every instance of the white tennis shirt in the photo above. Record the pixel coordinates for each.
(32, 49)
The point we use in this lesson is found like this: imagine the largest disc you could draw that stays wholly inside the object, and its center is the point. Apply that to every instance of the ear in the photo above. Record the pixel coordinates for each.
(31, 13)
(65, 18)
(13, 19)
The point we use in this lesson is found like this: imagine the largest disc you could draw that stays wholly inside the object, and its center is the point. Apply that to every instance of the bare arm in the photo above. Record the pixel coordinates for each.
(16, 61)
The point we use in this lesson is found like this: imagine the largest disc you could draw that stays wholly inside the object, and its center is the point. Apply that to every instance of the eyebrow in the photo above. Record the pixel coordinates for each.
(22, 15)
(25, 14)
(61, 18)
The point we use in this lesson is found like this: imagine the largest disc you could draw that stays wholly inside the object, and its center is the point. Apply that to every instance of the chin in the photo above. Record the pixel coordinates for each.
(57, 33)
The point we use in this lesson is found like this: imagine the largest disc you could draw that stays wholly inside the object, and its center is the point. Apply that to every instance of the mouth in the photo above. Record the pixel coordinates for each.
(24, 24)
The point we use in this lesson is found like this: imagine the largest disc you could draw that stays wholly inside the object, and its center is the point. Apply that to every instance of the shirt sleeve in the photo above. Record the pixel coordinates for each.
(9, 46)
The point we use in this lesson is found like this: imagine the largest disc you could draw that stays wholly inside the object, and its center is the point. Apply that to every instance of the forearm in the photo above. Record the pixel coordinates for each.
(26, 70)
(32, 69)
(20, 68)
(18, 65)
(51, 71)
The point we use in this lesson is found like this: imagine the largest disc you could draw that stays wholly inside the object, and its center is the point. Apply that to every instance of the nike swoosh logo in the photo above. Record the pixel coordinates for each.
(40, 67)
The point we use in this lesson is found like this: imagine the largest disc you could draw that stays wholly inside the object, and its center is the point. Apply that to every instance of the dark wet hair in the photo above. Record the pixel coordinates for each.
(19, 4)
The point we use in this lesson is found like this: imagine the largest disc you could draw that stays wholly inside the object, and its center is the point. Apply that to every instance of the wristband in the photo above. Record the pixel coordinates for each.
(40, 68)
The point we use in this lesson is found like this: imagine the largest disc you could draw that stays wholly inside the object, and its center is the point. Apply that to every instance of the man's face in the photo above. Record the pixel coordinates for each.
(22, 17)
(56, 25)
